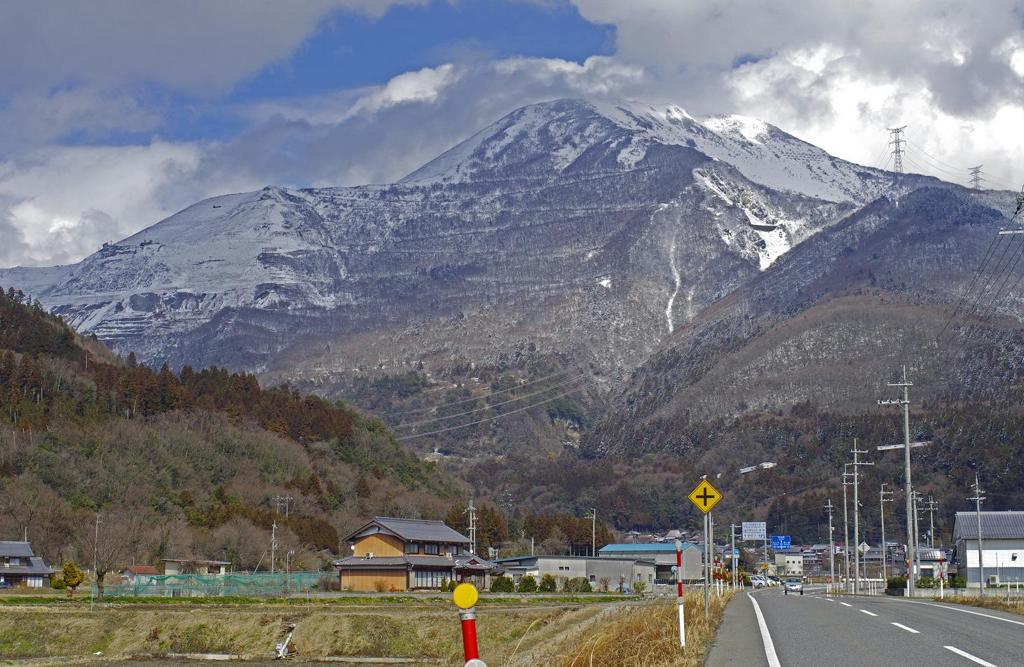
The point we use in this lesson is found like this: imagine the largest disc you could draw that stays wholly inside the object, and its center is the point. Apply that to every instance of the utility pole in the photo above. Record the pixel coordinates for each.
(273, 545)
(905, 403)
(472, 527)
(857, 463)
(976, 177)
(707, 565)
(732, 553)
(278, 502)
(916, 531)
(846, 530)
(884, 497)
(896, 140)
(932, 507)
(831, 547)
(593, 532)
(977, 498)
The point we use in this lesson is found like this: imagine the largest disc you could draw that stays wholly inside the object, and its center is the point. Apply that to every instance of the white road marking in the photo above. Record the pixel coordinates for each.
(869, 613)
(766, 637)
(911, 630)
(963, 611)
(984, 663)
(846, 604)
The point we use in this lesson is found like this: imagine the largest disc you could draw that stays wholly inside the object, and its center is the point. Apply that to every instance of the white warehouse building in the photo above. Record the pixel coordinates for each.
(1002, 544)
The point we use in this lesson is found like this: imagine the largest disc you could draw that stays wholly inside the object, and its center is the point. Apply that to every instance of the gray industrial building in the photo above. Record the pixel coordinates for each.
(603, 573)
(663, 554)
(1002, 544)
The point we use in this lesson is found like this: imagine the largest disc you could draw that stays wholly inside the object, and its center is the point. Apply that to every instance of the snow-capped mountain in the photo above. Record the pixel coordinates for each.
(575, 228)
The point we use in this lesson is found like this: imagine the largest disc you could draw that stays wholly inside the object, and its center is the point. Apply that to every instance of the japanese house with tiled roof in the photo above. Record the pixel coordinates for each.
(391, 554)
(19, 567)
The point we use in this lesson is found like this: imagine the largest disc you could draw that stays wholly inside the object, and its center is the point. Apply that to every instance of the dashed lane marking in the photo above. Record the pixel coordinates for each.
(903, 627)
(965, 654)
(766, 637)
(846, 604)
(869, 613)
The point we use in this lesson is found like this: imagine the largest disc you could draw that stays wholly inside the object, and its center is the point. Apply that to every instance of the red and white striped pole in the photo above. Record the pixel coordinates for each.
(465, 597)
(679, 593)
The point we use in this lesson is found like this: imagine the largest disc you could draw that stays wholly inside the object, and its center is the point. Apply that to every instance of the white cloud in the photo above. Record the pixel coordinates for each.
(65, 202)
(33, 119)
(836, 74)
(204, 47)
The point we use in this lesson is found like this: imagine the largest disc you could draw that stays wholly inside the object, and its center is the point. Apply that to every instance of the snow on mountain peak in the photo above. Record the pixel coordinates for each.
(546, 140)
(752, 129)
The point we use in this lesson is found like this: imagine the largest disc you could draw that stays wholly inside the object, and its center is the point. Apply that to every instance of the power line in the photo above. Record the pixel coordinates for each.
(488, 419)
(476, 398)
(558, 384)
(1011, 267)
(977, 276)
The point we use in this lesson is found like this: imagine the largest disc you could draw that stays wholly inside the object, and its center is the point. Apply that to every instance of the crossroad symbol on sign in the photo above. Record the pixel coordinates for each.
(864, 548)
(705, 496)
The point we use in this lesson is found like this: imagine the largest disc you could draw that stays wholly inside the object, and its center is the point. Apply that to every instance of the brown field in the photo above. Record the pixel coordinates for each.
(566, 633)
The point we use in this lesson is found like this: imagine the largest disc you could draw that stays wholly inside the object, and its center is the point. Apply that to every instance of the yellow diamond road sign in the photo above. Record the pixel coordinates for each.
(705, 496)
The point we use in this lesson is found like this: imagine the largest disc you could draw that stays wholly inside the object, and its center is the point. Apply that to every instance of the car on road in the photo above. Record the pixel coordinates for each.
(758, 581)
(795, 585)
(774, 581)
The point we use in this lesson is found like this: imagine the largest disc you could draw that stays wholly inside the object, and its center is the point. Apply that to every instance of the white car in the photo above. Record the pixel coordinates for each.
(757, 581)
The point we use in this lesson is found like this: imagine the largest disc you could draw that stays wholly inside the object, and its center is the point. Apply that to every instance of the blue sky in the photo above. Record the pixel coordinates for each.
(117, 113)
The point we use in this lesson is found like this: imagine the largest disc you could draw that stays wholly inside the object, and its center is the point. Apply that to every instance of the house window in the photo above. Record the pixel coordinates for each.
(429, 578)
(412, 548)
(432, 549)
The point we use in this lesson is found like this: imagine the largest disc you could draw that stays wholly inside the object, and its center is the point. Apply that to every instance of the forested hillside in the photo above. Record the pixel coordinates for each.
(183, 465)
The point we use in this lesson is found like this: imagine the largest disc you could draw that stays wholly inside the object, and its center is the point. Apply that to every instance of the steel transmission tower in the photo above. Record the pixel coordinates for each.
(897, 141)
(976, 177)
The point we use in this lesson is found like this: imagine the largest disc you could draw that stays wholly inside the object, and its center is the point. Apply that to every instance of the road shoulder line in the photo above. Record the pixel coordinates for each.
(963, 611)
(766, 637)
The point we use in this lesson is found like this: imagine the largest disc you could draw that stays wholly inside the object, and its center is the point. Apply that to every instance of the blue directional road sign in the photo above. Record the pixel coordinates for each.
(781, 542)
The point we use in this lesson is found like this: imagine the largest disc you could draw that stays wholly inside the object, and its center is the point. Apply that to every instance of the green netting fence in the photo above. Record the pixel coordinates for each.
(263, 584)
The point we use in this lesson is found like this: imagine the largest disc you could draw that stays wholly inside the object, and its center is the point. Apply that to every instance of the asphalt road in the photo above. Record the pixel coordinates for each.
(815, 631)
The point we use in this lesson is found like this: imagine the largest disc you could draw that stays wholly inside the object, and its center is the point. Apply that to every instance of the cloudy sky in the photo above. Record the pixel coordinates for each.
(117, 113)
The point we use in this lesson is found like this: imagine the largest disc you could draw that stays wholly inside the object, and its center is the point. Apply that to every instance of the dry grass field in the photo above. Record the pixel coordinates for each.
(512, 633)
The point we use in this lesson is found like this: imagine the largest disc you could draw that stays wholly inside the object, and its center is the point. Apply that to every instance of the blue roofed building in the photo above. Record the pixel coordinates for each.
(663, 554)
